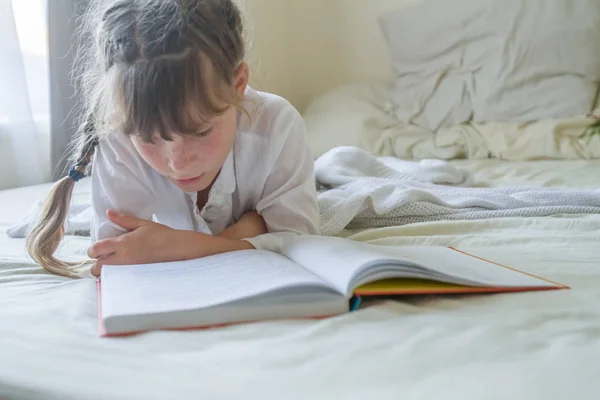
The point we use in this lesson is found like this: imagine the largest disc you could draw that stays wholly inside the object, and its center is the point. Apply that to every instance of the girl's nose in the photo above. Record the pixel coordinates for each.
(179, 154)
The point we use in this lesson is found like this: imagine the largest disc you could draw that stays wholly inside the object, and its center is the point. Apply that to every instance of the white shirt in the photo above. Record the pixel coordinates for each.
(269, 170)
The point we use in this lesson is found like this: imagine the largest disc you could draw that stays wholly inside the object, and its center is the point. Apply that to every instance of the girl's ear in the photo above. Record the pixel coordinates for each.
(240, 79)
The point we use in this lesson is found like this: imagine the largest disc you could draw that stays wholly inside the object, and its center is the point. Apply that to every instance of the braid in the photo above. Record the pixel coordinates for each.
(44, 239)
(86, 152)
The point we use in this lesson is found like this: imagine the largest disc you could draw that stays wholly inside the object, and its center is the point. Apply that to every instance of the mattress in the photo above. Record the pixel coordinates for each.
(522, 346)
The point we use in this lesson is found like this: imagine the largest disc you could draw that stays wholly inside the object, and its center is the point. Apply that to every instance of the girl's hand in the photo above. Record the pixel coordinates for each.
(149, 242)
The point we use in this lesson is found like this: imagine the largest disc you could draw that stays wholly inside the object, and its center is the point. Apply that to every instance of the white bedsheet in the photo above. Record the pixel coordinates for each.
(523, 346)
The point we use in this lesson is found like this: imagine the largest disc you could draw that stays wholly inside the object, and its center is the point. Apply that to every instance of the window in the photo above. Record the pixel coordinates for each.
(32, 31)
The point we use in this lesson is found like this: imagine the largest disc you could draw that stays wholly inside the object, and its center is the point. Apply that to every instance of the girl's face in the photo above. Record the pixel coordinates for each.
(192, 162)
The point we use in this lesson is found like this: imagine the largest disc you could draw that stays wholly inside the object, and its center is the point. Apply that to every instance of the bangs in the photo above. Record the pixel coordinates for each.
(171, 95)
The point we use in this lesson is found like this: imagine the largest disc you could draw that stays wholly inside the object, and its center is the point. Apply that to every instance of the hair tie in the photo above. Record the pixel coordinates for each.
(75, 172)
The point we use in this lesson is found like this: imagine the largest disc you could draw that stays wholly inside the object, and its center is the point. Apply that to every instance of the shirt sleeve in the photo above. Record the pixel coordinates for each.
(289, 199)
(119, 181)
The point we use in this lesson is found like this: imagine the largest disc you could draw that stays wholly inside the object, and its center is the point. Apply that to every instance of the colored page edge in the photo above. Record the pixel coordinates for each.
(427, 286)
(558, 285)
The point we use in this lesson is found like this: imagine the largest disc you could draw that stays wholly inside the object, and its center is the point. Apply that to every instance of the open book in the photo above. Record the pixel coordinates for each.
(314, 277)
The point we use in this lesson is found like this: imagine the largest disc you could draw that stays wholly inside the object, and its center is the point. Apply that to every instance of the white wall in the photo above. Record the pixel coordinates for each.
(266, 22)
(301, 48)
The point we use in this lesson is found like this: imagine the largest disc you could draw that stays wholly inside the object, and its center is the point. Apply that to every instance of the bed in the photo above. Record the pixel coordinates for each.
(532, 345)
(522, 346)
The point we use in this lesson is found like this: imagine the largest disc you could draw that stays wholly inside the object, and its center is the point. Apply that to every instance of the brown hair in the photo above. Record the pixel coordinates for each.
(143, 67)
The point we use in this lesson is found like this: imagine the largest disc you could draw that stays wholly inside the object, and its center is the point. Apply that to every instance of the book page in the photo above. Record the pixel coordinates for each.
(335, 260)
(340, 261)
(471, 270)
(176, 286)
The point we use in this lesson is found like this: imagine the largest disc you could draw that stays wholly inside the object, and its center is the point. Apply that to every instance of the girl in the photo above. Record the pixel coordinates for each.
(188, 160)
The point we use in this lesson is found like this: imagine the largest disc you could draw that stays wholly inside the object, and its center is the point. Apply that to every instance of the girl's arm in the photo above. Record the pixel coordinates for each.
(150, 242)
(119, 181)
(250, 225)
(289, 197)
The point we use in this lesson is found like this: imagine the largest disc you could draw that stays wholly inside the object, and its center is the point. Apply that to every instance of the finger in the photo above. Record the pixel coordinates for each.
(102, 248)
(108, 260)
(111, 259)
(128, 222)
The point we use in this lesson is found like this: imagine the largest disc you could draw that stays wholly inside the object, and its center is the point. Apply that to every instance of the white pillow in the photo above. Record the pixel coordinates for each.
(493, 60)
(354, 114)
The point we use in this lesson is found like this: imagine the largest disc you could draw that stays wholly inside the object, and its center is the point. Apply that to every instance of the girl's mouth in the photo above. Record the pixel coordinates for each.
(187, 182)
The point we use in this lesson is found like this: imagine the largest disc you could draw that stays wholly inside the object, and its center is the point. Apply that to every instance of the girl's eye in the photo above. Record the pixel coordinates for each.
(205, 133)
